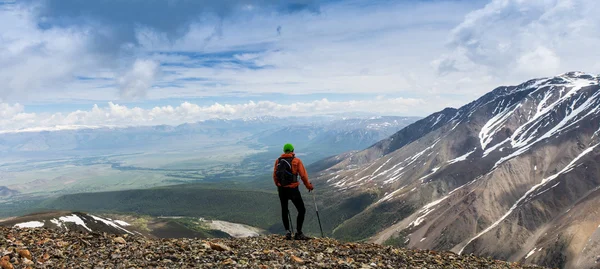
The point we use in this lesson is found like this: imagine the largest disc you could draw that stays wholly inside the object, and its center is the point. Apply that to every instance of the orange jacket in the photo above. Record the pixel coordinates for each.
(297, 169)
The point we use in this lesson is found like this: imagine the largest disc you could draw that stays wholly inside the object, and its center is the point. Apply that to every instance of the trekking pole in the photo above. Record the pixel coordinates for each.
(291, 225)
(317, 209)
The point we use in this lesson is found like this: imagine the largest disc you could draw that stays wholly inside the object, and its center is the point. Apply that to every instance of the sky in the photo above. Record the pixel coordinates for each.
(66, 63)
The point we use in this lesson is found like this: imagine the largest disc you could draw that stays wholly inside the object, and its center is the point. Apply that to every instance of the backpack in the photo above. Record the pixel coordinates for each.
(284, 171)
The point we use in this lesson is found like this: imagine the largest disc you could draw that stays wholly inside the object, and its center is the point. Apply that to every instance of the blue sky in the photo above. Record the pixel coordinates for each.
(121, 62)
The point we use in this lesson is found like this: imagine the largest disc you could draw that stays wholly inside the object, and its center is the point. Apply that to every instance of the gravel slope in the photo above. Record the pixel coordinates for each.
(44, 248)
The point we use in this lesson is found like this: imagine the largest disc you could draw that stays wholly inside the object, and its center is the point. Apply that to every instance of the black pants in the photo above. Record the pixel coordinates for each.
(293, 194)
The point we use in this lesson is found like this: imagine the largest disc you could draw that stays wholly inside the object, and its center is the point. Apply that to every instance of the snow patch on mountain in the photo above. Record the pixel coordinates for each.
(75, 219)
(540, 193)
(58, 223)
(438, 119)
(461, 158)
(532, 252)
(110, 223)
(567, 169)
(428, 208)
(30, 224)
(389, 196)
(377, 170)
(391, 169)
(415, 157)
(234, 229)
(394, 177)
(494, 125)
(495, 147)
(524, 138)
(432, 172)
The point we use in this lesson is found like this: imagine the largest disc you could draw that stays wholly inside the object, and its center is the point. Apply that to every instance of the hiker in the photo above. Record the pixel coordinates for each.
(286, 172)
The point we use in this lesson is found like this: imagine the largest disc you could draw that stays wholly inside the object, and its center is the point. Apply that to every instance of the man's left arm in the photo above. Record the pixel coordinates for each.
(304, 175)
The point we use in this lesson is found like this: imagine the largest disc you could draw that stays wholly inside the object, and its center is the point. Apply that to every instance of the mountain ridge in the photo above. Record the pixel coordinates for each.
(140, 225)
(439, 184)
(6, 192)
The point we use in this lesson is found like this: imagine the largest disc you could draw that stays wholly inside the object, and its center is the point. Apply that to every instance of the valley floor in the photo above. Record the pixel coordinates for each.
(44, 248)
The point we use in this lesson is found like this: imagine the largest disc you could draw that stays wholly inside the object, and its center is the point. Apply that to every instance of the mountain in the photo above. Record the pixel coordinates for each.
(149, 227)
(322, 139)
(130, 138)
(330, 134)
(48, 248)
(520, 165)
(5, 192)
(345, 134)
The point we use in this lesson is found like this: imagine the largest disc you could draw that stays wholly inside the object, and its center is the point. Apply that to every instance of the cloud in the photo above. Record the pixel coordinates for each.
(515, 39)
(347, 48)
(335, 47)
(541, 59)
(15, 118)
(218, 49)
(135, 83)
(118, 20)
(9, 111)
(35, 60)
(46, 45)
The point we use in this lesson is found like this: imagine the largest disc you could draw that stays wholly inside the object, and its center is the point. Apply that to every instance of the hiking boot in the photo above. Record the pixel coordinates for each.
(301, 236)
(288, 236)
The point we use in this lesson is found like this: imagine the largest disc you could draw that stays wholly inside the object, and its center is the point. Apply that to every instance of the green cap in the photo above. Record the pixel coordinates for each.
(288, 148)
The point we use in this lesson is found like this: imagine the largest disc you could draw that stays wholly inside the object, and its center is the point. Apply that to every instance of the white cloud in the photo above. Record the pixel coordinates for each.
(540, 60)
(9, 111)
(514, 40)
(34, 60)
(135, 83)
(15, 118)
(378, 48)
(348, 48)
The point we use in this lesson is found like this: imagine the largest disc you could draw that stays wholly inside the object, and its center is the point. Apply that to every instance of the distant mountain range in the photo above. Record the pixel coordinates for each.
(347, 134)
(317, 140)
(6, 192)
(129, 138)
(514, 175)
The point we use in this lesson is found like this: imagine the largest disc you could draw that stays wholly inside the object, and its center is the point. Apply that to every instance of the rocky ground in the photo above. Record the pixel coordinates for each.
(43, 248)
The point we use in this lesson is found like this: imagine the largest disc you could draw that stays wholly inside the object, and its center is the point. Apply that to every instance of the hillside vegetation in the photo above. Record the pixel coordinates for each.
(252, 203)
(252, 207)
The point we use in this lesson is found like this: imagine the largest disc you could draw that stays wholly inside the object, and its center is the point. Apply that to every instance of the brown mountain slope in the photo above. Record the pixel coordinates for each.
(496, 178)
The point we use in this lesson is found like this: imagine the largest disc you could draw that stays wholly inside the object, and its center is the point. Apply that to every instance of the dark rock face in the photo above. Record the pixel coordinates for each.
(520, 165)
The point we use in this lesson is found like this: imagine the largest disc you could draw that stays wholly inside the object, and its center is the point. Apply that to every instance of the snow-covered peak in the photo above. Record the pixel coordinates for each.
(509, 121)
(578, 75)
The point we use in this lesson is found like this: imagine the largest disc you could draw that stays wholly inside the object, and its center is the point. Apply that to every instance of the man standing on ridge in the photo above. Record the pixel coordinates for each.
(286, 172)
